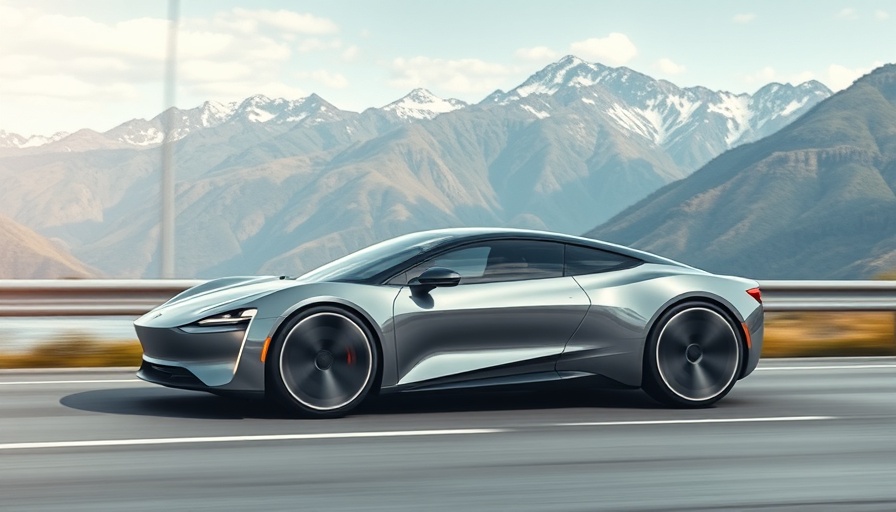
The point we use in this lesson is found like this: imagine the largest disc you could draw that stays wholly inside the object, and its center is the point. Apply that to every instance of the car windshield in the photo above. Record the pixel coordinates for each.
(370, 261)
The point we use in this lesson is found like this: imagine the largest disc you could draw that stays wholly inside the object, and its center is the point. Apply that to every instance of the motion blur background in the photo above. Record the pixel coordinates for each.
(196, 139)
(730, 138)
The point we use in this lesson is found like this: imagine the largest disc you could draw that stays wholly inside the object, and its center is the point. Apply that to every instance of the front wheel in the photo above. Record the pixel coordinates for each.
(323, 363)
(693, 356)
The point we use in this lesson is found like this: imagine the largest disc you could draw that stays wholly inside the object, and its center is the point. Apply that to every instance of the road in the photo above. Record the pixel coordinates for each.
(797, 434)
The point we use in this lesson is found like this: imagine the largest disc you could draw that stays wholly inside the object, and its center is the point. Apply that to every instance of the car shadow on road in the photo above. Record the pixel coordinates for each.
(169, 403)
(481, 400)
(163, 402)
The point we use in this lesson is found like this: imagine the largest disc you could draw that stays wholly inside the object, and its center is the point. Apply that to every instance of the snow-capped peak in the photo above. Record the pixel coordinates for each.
(254, 109)
(422, 104)
(258, 108)
(570, 71)
(213, 113)
(14, 140)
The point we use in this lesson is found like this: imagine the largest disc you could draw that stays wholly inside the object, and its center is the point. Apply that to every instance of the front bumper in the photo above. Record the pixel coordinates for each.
(226, 359)
(171, 376)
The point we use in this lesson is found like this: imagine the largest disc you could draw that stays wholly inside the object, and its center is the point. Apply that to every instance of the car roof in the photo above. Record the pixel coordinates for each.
(460, 236)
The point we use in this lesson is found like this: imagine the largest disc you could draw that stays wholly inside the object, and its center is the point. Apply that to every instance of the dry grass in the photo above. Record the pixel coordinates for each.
(75, 351)
(829, 334)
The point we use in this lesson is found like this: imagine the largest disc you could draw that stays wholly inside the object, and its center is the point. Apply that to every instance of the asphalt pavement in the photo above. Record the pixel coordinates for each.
(812, 434)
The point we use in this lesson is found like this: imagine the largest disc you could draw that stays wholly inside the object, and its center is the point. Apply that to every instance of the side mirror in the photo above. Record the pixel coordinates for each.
(433, 278)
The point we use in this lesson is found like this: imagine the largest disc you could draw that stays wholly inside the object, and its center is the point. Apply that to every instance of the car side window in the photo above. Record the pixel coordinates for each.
(468, 261)
(588, 260)
(500, 260)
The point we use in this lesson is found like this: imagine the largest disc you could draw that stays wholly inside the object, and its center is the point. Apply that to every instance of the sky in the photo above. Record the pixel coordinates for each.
(72, 64)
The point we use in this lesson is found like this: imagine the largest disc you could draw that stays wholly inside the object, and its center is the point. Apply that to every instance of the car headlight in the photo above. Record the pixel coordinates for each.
(230, 318)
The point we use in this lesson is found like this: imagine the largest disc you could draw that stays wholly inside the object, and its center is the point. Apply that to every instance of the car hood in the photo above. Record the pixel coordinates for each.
(213, 297)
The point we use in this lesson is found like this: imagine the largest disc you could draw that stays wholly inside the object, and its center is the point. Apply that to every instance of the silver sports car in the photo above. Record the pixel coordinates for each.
(460, 308)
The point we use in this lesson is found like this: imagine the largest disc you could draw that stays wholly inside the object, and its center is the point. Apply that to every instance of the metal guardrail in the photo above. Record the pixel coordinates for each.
(828, 295)
(87, 297)
(133, 297)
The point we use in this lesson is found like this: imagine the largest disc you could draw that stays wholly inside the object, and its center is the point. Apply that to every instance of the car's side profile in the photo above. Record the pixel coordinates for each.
(461, 308)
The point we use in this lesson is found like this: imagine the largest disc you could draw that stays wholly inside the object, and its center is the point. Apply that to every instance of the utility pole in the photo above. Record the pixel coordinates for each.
(166, 228)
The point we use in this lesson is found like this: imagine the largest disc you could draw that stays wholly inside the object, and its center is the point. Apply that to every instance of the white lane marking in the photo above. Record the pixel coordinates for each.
(827, 367)
(54, 382)
(238, 439)
(362, 435)
(694, 421)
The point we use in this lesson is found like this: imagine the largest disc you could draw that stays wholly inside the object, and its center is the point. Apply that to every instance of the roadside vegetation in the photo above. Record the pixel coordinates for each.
(829, 334)
(75, 350)
(786, 335)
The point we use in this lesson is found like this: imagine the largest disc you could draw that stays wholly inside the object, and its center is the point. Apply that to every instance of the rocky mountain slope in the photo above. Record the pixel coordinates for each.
(815, 200)
(280, 185)
(26, 255)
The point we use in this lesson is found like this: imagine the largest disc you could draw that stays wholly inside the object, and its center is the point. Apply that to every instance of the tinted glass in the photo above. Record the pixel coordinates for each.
(586, 260)
(503, 260)
(468, 261)
(370, 261)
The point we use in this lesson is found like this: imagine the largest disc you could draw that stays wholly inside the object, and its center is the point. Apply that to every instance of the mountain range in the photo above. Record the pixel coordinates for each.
(26, 255)
(815, 200)
(280, 186)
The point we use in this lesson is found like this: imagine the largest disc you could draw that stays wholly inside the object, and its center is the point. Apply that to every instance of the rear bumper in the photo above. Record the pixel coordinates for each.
(755, 325)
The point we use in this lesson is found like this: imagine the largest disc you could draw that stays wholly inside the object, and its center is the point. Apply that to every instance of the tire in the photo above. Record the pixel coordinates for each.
(693, 356)
(323, 363)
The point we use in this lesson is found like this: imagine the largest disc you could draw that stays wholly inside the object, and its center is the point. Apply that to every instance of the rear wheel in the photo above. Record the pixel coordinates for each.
(693, 356)
(323, 362)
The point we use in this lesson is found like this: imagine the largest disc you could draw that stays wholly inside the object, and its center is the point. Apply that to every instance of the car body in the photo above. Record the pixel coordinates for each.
(460, 308)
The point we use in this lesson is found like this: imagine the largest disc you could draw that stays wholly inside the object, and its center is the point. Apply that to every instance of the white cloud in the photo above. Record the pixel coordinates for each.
(225, 21)
(669, 67)
(881, 15)
(802, 76)
(840, 77)
(289, 21)
(235, 91)
(326, 78)
(200, 70)
(768, 74)
(77, 59)
(537, 53)
(848, 13)
(743, 18)
(615, 49)
(11, 16)
(64, 86)
(64, 37)
(350, 53)
(763, 76)
(454, 75)
(315, 45)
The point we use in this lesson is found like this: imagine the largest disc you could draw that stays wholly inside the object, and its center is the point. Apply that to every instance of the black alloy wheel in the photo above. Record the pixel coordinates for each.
(323, 362)
(693, 356)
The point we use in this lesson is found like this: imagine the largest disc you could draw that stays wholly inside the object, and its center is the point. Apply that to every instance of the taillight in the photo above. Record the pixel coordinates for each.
(756, 294)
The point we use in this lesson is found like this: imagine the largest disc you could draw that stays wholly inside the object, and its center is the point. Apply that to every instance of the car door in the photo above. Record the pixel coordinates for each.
(511, 314)
(610, 340)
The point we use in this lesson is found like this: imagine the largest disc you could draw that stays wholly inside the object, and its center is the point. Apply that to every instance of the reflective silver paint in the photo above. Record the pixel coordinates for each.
(568, 327)
(495, 320)
(446, 364)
